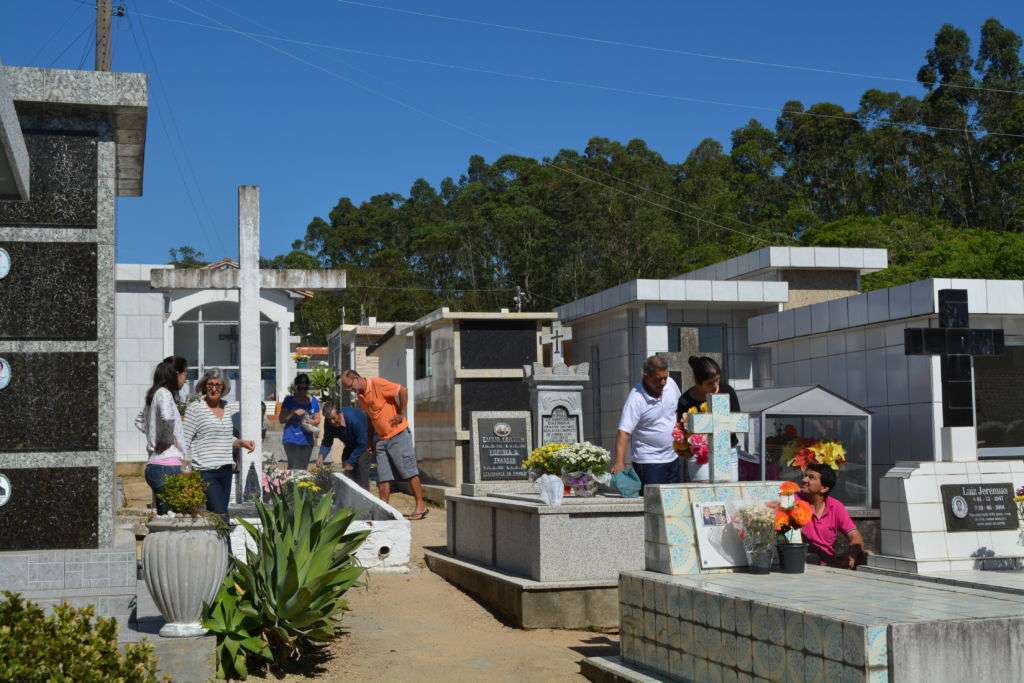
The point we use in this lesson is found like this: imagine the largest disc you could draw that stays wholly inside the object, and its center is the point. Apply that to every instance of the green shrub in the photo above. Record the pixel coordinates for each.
(184, 493)
(66, 646)
(288, 594)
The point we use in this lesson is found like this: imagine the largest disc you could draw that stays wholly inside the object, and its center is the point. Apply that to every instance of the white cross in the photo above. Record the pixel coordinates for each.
(555, 335)
(248, 280)
(719, 425)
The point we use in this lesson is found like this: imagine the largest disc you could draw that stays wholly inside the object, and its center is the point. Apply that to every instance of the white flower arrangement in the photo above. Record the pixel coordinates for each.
(584, 457)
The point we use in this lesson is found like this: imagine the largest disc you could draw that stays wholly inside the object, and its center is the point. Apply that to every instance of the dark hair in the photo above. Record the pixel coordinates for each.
(827, 474)
(301, 378)
(165, 376)
(704, 368)
(179, 363)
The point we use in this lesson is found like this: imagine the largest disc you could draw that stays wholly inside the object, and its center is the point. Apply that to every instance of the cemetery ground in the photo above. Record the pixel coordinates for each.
(417, 626)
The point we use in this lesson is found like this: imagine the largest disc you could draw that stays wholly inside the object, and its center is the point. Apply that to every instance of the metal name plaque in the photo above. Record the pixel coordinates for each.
(502, 445)
(979, 507)
(559, 427)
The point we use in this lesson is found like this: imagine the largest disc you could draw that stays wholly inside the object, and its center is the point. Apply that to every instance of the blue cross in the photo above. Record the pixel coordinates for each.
(720, 424)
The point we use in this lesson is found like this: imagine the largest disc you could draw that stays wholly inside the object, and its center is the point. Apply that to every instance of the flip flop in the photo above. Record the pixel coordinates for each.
(421, 515)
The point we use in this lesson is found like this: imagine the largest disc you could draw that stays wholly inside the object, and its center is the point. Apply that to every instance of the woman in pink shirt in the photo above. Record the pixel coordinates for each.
(830, 517)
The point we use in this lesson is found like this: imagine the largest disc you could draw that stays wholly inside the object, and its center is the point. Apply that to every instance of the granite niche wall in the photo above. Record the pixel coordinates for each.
(56, 334)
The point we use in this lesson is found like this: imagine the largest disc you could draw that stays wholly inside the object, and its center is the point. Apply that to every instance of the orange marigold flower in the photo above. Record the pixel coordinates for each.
(781, 520)
(788, 488)
(801, 513)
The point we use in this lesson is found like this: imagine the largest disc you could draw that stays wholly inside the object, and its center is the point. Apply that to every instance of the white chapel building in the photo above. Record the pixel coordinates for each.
(199, 325)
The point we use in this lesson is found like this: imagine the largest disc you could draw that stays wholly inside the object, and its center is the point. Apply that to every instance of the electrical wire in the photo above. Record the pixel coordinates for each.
(90, 25)
(913, 127)
(184, 149)
(457, 126)
(666, 50)
(46, 43)
(171, 146)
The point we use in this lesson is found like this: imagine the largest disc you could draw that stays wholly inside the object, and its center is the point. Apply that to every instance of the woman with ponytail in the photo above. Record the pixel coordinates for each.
(707, 380)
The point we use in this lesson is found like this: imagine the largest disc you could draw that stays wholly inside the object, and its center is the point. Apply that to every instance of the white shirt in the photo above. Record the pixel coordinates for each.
(161, 422)
(649, 421)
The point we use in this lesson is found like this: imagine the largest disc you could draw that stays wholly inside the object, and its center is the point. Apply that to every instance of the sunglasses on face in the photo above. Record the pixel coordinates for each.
(302, 387)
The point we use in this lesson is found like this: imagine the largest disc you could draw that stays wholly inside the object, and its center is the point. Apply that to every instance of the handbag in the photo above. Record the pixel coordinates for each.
(627, 483)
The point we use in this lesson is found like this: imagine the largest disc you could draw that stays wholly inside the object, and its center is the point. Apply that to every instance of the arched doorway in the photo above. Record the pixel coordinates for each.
(207, 336)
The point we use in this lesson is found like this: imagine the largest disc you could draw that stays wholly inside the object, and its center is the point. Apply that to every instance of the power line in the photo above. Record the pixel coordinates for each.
(171, 146)
(457, 126)
(85, 49)
(915, 127)
(666, 50)
(211, 226)
(89, 25)
(46, 43)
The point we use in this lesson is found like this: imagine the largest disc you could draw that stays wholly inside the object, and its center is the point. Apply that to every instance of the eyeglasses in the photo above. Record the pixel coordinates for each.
(301, 387)
(218, 387)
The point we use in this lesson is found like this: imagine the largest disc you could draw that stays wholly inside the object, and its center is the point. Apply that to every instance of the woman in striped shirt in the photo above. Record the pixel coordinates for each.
(210, 438)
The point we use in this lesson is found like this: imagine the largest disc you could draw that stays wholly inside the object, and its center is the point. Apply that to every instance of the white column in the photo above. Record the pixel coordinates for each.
(249, 394)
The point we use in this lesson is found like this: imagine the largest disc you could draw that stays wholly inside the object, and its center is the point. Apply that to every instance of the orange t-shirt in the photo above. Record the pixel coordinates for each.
(380, 401)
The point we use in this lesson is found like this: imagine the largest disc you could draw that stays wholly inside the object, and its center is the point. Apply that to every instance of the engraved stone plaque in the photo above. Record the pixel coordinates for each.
(979, 507)
(560, 427)
(50, 292)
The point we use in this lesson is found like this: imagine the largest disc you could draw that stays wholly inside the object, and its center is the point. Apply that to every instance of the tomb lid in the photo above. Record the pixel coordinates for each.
(805, 400)
(763, 261)
(122, 97)
(721, 294)
(441, 315)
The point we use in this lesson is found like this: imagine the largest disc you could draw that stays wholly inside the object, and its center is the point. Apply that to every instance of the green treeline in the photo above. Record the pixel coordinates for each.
(937, 179)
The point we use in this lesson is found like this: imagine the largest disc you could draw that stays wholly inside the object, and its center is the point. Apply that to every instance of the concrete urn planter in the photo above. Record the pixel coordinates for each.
(184, 560)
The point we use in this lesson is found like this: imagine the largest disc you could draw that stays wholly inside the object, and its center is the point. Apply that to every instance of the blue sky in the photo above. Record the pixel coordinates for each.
(240, 112)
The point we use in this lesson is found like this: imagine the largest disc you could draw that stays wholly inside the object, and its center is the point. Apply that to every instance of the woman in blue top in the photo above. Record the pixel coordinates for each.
(300, 414)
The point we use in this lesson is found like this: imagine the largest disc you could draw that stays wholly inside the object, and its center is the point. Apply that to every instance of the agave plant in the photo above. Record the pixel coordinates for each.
(289, 592)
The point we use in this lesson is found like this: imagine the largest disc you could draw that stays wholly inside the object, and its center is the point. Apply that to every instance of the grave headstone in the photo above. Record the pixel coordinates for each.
(556, 392)
(501, 441)
(956, 514)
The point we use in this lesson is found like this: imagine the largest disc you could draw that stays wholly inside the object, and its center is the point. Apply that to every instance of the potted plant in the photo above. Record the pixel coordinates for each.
(756, 524)
(545, 467)
(301, 360)
(791, 514)
(184, 556)
(584, 467)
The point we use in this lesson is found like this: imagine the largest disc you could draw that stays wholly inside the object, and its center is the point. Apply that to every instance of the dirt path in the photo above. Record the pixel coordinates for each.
(419, 627)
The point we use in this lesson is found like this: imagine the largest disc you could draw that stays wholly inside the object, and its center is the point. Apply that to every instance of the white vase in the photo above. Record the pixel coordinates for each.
(184, 560)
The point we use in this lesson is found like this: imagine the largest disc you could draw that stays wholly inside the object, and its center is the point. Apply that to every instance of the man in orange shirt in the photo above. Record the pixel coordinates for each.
(385, 403)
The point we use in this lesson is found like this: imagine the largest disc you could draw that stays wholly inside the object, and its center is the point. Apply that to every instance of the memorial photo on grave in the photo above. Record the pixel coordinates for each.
(979, 507)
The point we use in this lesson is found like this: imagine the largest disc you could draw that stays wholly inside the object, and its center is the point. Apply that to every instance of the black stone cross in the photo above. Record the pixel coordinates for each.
(956, 344)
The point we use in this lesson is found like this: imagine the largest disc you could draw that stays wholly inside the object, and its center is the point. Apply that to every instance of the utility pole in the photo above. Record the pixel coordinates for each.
(104, 13)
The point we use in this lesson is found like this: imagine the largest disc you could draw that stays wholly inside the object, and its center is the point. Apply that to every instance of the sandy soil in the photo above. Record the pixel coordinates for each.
(419, 627)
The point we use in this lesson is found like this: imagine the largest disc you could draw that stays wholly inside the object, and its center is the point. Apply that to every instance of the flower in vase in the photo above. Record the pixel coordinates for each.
(699, 447)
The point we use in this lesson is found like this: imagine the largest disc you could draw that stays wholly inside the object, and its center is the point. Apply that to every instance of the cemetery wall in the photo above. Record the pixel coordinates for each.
(139, 331)
(435, 400)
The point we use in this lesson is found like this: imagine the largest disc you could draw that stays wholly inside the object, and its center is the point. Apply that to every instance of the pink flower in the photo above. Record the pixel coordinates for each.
(699, 447)
(677, 433)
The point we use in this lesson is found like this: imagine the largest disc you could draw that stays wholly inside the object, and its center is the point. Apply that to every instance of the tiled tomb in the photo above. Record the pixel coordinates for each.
(825, 625)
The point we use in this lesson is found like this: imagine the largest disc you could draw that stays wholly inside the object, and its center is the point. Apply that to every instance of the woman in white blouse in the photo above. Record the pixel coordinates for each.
(161, 422)
(210, 438)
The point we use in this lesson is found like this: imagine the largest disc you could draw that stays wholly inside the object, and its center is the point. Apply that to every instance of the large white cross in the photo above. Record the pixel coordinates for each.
(248, 280)
(719, 424)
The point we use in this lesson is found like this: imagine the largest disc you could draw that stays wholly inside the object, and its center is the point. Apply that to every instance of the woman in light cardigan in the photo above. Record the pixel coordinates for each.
(210, 438)
(161, 422)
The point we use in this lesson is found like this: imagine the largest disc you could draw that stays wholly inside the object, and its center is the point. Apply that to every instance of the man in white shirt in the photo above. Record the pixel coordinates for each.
(646, 424)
